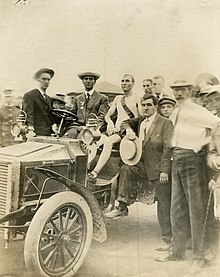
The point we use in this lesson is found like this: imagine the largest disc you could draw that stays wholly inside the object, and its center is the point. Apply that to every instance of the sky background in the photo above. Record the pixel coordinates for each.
(173, 38)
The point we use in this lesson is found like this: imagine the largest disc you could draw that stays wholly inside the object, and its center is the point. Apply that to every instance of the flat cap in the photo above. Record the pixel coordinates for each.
(44, 70)
(166, 99)
(181, 83)
(89, 73)
(58, 98)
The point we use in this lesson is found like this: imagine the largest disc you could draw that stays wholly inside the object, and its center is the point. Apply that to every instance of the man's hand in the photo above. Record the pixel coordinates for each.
(30, 134)
(130, 134)
(110, 128)
(212, 184)
(163, 177)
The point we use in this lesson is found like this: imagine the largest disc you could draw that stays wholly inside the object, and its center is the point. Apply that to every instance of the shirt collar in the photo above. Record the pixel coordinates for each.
(41, 91)
(90, 92)
(151, 118)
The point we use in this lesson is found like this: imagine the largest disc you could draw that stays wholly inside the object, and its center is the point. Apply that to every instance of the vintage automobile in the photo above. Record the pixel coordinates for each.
(45, 199)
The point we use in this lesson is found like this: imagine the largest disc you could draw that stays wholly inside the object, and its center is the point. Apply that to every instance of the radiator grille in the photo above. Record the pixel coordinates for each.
(4, 179)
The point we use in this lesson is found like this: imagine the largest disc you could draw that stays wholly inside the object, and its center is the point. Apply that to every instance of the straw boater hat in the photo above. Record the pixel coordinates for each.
(44, 70)
(131, 150)
(214, 89)
(89, 73)
(181, 83)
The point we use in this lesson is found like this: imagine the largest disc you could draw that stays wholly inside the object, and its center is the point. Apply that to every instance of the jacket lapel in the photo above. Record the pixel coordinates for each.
(42, 98)
(150, 131)
(82, 104)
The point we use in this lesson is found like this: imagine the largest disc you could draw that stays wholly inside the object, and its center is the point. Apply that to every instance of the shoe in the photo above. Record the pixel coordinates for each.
(170, 257)
(209, 257)
(196, 266)
(165, 246)
(117, 213)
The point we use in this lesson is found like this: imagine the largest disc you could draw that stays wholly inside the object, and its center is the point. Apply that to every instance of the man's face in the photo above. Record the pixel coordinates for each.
(126, 83)
(88, 82)
(166, 110)
(181, 93)
(214, 99)
(147, 86)
(44, 80)
(9, 99)
(158, 86)
(148, 107)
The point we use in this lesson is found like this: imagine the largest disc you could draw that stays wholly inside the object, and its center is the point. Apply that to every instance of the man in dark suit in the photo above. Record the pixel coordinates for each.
(90, 101)
(154, 166)
(37, 105)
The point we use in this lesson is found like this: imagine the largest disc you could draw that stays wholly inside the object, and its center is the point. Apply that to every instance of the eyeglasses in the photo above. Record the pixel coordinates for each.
(146, 86)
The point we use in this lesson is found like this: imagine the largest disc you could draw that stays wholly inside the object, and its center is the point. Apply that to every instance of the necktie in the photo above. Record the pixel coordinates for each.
(87, 97)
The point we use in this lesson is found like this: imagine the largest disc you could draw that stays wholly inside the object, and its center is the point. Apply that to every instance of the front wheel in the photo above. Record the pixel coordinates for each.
(59, 236)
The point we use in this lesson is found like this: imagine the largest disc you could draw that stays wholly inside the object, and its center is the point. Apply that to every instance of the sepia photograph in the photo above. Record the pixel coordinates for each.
(109, 138)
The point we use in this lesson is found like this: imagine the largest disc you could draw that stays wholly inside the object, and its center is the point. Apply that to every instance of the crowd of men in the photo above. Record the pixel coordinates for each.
(164, 143)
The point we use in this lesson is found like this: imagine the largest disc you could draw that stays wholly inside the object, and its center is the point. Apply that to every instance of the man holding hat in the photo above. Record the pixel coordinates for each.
(146, 157)
(90, 101)
(166, 105)
(192, 123)
(37, 105)
(8, 115)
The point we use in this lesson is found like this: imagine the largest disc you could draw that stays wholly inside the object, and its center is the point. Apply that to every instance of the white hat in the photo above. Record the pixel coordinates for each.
(131, 150)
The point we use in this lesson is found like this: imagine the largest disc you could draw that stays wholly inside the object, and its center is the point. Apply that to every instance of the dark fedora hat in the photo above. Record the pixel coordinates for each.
(181, 83)
(166, 99)
(89, 73)
(44, 70)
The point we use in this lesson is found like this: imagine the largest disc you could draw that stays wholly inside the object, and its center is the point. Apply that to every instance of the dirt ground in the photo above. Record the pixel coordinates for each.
(128, 252)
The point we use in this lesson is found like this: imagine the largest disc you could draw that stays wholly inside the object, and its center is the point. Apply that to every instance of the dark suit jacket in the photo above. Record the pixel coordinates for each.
(98, 104)
(156, 149)
(38, 111)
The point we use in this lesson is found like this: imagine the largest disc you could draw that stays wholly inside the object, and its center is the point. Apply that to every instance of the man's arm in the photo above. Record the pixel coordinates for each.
(111, 111)
(130, 127)
(28, 107)
(213, 158)
(74, 107)
(165, 165)
(103, 108)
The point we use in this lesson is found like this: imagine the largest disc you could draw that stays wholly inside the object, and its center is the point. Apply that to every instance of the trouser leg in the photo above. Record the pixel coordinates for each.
(128, 182)
(163, 193)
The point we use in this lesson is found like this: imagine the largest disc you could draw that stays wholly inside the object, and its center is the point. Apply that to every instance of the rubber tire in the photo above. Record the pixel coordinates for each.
(36, 227)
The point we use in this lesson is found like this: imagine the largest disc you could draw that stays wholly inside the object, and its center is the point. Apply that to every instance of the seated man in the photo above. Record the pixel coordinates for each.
(90, 101)
(154, 166)
(126, 106)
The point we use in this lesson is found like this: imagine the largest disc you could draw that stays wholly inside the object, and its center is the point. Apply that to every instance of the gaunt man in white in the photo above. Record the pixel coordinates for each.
(126, 106)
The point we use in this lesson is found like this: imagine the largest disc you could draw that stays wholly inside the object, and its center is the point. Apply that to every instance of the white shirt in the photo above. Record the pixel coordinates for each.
(90, 92)
(191, 123)
(145, 126)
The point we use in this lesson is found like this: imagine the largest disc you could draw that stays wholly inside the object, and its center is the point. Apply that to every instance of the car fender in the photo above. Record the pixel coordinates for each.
(99, 229)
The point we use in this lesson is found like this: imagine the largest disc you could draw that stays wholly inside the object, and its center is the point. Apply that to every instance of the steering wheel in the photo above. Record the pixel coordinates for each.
(64, 114)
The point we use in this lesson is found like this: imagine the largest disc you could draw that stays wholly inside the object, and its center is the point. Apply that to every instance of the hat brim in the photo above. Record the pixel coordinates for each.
(181, 85)
(138, 155)
(93, 74)
(44, 70)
